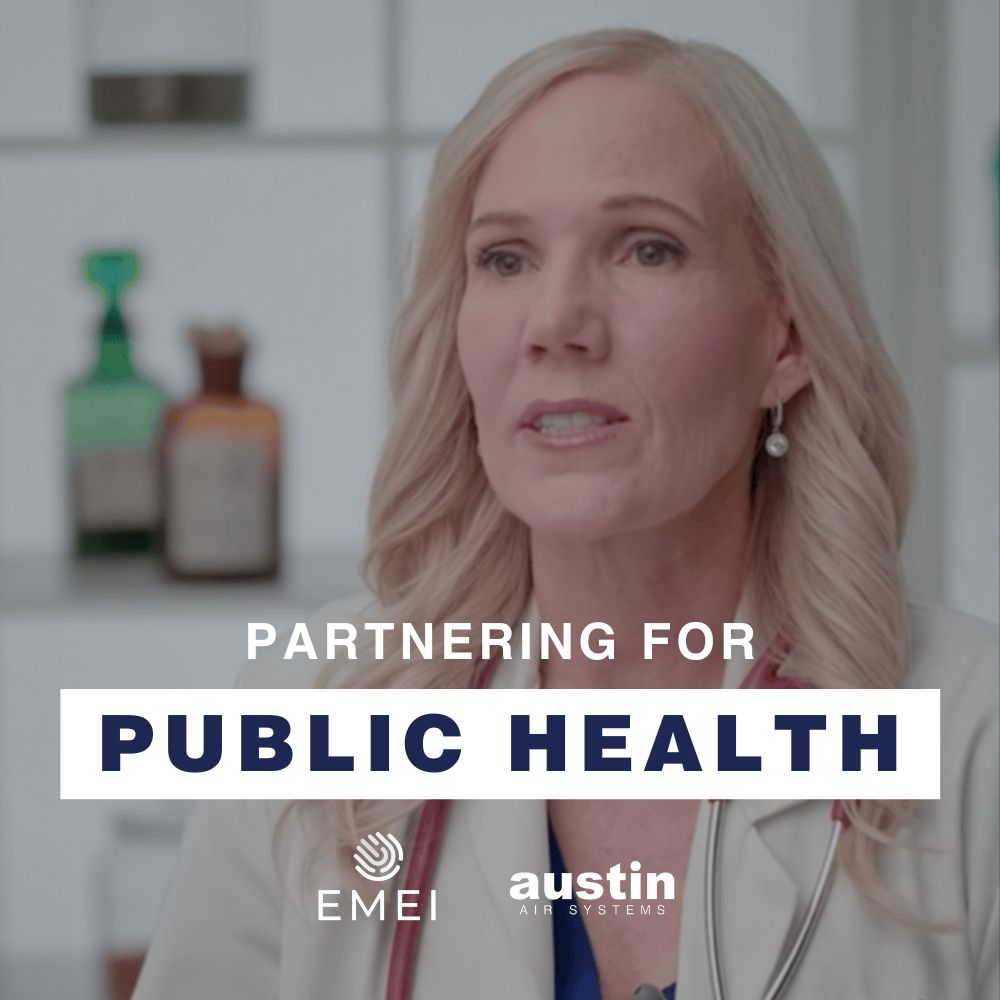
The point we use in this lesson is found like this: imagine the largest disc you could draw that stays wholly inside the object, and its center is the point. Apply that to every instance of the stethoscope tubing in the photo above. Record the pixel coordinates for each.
(711, 901)
(811, 919)
(426, 847)
(783, 977)
(406, 934)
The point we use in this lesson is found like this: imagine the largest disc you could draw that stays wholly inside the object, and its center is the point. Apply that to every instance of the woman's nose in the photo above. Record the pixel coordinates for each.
(566, 317)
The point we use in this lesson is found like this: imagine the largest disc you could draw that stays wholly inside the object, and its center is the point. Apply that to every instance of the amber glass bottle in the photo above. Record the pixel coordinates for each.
(220, 458)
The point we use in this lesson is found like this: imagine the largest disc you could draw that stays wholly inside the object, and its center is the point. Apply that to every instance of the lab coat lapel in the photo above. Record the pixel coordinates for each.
(481, 944)
(757, 904)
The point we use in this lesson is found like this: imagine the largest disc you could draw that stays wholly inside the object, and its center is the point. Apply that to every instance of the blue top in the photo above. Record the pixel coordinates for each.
(576, 971)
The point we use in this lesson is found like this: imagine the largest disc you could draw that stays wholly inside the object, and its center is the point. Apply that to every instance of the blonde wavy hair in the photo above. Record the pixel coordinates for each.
(828, 519)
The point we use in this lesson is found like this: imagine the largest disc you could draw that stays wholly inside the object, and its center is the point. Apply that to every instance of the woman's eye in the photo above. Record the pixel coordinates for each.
(651, 253)
(501, 262)
(648, 252)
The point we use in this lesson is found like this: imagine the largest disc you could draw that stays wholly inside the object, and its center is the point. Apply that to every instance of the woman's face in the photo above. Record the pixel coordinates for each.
(614, 333)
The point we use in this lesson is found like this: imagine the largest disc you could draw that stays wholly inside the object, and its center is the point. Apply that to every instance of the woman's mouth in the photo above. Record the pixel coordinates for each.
(570, 423)
(559, 423)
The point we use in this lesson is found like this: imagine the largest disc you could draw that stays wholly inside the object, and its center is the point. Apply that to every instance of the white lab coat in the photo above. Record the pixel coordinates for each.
(230, 931)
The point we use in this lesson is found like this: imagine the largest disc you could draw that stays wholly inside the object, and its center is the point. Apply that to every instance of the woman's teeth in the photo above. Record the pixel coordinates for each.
(567, 421)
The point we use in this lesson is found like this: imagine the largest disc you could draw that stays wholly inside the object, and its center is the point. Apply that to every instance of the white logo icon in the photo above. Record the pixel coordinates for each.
(378, 857)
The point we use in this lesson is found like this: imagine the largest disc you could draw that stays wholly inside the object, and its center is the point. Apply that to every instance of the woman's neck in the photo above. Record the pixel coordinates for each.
(678, 573)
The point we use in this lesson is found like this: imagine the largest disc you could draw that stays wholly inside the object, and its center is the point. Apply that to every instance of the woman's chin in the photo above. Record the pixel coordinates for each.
(577, 521)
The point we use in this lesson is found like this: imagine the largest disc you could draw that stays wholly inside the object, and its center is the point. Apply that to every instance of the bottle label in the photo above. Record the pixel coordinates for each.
(116, 489)
(220, 504)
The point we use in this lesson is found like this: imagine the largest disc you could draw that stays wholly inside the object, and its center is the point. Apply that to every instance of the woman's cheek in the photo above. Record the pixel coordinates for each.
(473, 349)
(481, 369)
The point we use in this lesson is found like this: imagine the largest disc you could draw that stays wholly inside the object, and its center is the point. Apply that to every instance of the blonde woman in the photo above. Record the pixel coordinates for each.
(635, 379)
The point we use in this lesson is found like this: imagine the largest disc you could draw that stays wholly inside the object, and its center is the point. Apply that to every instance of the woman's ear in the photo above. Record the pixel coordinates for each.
(790, 369)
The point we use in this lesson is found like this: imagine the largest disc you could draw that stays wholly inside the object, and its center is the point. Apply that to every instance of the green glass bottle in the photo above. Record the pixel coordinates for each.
(112, 418)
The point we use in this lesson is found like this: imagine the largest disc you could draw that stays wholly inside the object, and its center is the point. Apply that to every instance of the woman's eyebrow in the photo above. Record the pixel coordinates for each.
(614, 203)
(498, 219)
(620, 201)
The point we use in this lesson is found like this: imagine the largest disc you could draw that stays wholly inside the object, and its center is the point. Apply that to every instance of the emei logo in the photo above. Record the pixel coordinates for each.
(378, 857)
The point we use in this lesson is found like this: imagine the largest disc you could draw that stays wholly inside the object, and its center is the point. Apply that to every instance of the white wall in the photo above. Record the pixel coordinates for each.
(972, 258)
(973, 138)
(40, 92)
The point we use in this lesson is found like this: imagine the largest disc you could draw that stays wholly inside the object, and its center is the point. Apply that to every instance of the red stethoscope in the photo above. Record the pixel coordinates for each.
(426, 846)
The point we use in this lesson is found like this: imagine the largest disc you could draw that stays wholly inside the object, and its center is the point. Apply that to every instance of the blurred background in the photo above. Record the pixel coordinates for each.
(266, 161)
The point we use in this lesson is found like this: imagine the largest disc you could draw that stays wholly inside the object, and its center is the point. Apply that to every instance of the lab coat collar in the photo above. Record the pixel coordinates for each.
(737, 668)
(525, 673)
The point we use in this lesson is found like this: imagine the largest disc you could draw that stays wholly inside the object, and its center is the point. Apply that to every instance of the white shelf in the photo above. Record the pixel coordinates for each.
(162, 138)
(48, 585)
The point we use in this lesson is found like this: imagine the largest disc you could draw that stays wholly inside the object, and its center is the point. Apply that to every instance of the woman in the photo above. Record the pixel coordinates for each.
(635, 380)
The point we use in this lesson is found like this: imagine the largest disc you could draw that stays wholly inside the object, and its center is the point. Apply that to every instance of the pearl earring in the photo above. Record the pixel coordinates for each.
(776, 444)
